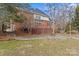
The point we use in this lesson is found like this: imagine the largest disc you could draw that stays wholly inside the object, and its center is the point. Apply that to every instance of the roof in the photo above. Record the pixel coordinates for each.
(35, 11)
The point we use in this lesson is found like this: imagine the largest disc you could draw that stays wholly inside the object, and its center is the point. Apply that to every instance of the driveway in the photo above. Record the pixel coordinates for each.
(57, 36)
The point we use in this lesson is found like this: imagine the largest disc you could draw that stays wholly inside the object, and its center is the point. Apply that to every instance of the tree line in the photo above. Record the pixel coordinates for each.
(9, 12)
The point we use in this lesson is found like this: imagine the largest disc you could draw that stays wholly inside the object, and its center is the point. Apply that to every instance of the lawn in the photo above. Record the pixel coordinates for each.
(39, 47)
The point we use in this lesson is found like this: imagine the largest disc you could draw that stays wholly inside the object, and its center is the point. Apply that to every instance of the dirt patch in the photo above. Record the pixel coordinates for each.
(3, 38)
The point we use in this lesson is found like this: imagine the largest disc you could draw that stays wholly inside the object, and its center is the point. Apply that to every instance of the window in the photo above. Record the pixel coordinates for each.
(40, 17)
(37, 16)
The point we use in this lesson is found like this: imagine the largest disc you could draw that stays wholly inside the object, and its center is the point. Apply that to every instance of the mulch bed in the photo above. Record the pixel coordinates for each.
(5, 38)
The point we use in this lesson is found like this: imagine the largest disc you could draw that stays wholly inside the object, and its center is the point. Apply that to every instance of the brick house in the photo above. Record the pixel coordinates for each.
(42, 23)
(36, 22)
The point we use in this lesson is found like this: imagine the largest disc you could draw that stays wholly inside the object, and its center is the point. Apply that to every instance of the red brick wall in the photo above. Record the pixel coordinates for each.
(44, 24)
(29, 19)
(18, 27)
(42, 28)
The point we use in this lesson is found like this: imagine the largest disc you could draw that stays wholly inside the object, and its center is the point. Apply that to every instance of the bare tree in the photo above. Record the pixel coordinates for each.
(51, 11)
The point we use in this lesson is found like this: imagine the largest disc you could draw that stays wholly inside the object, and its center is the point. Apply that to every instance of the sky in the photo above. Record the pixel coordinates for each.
(60, 6)
(42, 6)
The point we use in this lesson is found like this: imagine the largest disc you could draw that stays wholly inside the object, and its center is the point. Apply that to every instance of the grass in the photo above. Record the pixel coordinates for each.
(39, 47)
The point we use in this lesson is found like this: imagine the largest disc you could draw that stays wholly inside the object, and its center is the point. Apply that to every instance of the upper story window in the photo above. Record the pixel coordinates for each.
(37, 16)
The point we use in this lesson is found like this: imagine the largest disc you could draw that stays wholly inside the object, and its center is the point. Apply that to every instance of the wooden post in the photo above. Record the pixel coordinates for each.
(70, 26)
(53, 28)
(70, 30)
